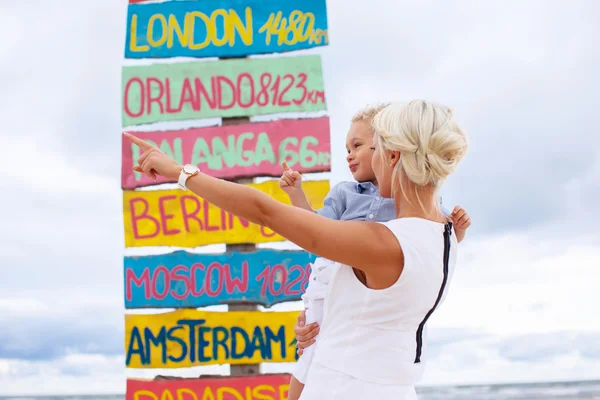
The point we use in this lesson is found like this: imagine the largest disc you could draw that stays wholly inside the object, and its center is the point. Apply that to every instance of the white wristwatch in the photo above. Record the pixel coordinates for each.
(186, 173)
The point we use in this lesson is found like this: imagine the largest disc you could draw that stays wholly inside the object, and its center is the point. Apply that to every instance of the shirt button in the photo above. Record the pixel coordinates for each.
(314, 278)
(370, 216)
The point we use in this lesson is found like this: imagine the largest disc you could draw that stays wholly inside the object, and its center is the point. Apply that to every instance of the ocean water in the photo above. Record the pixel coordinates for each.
(588, 390)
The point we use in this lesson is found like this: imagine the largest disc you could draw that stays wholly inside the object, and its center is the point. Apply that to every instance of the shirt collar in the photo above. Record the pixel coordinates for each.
(366, 187)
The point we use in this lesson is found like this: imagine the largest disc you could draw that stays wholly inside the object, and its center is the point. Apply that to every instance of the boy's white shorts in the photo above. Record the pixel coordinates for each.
(314, 313)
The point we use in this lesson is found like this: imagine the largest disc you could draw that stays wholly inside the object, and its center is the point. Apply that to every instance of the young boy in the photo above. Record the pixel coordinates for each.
(348, 201)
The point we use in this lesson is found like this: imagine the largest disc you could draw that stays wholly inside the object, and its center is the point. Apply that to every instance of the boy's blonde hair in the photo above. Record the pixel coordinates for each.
(367, 113)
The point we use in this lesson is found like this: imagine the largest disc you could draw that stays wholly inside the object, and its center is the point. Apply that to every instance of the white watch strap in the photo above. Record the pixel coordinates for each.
(183, 177)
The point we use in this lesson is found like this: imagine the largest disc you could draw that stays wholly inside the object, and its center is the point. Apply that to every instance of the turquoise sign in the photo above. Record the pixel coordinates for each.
(183, 279)
(224, 28)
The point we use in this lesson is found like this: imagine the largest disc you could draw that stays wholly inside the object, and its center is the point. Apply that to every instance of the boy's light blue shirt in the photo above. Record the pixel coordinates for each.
(346, 201)
(357, 201)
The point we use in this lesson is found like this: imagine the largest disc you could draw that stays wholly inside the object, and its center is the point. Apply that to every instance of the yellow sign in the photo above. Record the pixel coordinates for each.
(177, 218)
(187, 338)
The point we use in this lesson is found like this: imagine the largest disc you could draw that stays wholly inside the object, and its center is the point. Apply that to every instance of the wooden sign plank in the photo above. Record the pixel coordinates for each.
(182, 219)
(236, 151)
(224, 28)
(187, 338)
(257, 387)
(183, 279)
(230, 88)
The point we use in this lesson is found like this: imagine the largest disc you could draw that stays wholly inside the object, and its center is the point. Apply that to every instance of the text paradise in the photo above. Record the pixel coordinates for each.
(261, 387)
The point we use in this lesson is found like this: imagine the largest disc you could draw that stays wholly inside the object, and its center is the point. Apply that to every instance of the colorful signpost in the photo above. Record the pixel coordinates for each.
(234, 88)
(178, 218)
(231, 88)
(183, 279)
(258, 387)
(238, 150)
(187, 338)
(224, 28)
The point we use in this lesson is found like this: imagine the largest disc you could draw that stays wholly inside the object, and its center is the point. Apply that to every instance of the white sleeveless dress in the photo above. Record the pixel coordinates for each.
(373, 343)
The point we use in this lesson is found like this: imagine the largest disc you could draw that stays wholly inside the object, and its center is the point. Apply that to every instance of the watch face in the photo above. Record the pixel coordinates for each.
(190, 169)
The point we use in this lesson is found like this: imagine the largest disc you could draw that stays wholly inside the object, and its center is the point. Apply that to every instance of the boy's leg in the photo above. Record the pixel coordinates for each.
(295, 389)
(314, 313)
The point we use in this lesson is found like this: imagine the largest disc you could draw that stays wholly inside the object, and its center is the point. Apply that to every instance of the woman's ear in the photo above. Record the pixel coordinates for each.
(394, 157)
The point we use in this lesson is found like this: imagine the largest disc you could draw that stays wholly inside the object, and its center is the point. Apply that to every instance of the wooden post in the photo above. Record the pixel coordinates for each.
(242, 369)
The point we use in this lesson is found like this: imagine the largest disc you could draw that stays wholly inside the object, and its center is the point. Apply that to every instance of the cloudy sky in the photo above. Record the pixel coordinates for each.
(521, 76)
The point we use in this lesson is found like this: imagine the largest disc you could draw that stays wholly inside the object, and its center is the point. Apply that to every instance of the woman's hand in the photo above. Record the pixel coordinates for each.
(305, 335)
(154, 162)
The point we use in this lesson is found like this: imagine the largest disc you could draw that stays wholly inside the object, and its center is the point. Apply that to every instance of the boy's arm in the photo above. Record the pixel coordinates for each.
(299, 199)
(334, 204)
(291, 183)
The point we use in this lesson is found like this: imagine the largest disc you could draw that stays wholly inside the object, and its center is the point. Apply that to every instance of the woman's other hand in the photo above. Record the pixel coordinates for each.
(305, 334)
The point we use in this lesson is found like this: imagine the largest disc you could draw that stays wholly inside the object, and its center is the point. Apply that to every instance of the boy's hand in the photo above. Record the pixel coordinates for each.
(290, 181)
(460, 218)
(461, 221)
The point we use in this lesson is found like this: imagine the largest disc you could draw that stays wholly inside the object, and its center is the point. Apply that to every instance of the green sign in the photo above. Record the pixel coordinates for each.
(231, 88)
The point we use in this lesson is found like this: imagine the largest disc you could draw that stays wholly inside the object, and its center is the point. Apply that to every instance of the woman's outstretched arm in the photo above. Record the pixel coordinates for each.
(363, 245)
(359, 244)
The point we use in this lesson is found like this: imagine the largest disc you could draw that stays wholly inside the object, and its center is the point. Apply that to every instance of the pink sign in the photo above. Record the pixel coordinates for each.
(254, 387)
(235, 151)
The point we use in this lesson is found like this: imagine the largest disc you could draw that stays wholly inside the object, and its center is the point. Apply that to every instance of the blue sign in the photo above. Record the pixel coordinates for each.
(183, 279)
(224, 28)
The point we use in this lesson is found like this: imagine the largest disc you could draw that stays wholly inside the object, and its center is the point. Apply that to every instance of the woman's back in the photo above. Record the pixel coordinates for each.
(379, 336)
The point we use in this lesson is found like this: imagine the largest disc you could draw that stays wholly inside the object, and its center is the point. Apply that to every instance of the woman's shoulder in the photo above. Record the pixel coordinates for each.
(412, 227)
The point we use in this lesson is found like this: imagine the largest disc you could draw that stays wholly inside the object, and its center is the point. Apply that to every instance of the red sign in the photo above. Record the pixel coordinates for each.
(236, 151)
(272, 387)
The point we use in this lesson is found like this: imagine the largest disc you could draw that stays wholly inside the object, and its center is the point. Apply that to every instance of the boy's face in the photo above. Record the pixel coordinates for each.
(359, 145)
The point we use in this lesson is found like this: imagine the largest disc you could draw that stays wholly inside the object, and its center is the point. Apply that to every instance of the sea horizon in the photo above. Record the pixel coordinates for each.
(564, 390)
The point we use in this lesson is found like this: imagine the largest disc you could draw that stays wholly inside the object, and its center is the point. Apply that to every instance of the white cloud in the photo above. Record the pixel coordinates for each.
(23, 306)
(57, 175)
(72, 374)
(520, 283)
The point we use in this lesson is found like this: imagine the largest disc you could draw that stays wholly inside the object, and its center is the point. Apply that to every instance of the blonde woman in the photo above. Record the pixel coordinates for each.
(393, 275)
